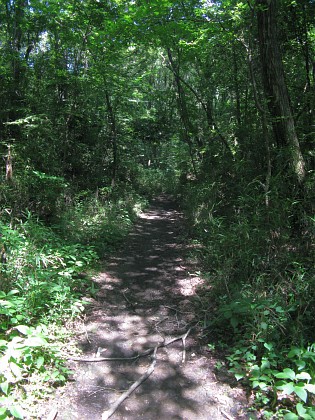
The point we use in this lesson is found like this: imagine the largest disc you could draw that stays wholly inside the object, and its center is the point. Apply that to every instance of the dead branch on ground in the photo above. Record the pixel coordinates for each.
(108, 413)
(138, 356)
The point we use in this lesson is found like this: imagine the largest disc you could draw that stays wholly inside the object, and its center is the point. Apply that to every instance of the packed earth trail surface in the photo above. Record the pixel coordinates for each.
(146, 298)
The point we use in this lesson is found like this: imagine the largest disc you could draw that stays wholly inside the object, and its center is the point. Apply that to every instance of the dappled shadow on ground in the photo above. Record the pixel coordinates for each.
(144, 299)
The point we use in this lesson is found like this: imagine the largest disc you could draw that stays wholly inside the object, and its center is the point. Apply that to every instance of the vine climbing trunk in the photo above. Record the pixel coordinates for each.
(275, 86)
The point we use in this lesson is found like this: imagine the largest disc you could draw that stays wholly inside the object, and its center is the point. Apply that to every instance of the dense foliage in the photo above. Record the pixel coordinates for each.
(104, 103)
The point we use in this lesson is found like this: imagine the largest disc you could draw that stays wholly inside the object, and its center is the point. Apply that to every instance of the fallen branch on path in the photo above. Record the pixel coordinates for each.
(108, 413)
(184, 345)
(143, 354)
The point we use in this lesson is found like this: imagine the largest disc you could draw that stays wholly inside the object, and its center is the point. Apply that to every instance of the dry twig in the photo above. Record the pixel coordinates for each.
(227, 415)
(108, 413)
(145, 353)
(184, 345)
(52, 415)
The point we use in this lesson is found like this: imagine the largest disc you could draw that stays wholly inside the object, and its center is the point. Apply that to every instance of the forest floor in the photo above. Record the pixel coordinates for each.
(145, 298)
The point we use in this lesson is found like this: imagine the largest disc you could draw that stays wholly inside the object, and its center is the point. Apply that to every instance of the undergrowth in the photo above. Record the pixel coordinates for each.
(101, 220)
(44, 279)
(259, 294)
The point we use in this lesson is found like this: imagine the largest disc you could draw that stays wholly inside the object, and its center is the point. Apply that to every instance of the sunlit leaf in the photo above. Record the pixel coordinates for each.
(268, 346)
(304, 375)
(5, 387)
(3, 411)
(17, 412)
(310, 388)
(40, 361)
(16, 370)
(287, 387)
(35, 342)
(291, 416)
(238, 376)
(300, 409)
(286, 374)
(23, 329)
(301, 392)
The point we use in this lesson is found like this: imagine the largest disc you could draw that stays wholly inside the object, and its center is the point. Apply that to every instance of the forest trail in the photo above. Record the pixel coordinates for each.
(145, 297)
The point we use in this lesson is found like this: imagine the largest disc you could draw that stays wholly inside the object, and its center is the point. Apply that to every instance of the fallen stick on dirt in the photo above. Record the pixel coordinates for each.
(184, 346)
(227, 415)
(52, 415)
(108, 413)
(145, 353)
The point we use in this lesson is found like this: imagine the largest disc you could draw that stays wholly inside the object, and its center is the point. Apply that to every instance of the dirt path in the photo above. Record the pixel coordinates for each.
(145, 297)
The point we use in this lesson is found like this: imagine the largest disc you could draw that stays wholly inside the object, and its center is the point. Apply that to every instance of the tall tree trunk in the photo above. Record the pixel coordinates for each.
(113, 134)
(236, 89)
(188, 129)
(264, 123)
(275, 87)
(206, 105)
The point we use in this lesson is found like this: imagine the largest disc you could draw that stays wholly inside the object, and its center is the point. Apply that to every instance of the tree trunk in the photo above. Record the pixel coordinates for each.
(275, 87)
(113, 135)
(188, 129)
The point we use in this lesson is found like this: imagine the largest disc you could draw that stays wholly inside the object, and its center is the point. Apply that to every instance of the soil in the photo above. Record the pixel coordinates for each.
(146, 297)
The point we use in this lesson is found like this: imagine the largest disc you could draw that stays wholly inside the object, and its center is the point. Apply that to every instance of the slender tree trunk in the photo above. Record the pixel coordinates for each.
(113, 134)
(182, 108)
(236, 89)
(206, 106)
(264, 123)
(8, 166)
(275, 87)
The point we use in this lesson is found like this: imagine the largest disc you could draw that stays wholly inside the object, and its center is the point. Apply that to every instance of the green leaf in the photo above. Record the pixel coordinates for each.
(268, 346)
(238, 376)
(300, 409)
(264, 325)
(3, 411)
(40, 361)
(310, 388)
(300, 364)
(234, 322)
(13, 292)
(303, 375)
(263, 386)
(255, 384)
(301, 392)
(17, 412)
(35, 342)
(295, 351)
(291, 416)
(265, 364)
(287, 388)
(4, 387)
(286, 374)
(23, 329)
(16, 370)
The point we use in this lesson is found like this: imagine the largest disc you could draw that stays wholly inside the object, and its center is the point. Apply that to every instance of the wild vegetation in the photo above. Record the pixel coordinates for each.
(105, 104)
